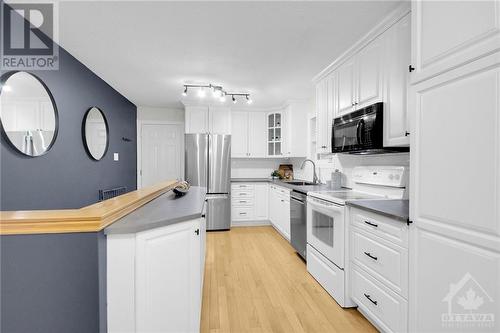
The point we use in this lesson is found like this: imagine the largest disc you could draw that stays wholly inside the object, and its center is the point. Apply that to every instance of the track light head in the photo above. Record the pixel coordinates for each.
(222, 98)
(249, 100)
(217, 93)
(234, 99)
(185, 92)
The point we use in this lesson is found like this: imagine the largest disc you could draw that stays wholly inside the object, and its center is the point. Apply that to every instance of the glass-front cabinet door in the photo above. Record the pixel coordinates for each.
(274, 134)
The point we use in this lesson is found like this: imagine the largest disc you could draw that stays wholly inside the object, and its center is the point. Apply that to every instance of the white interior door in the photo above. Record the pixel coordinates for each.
(161, 153)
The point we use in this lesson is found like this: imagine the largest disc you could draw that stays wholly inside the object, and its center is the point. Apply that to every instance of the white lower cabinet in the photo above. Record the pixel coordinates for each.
(279, 209)
(154, 279)
(249, 203)
(379, 269)
(386, 309)
(260, 203)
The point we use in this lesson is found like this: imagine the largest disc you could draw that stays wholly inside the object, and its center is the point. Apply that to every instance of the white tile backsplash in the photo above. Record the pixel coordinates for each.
(262, 168)
(346, 163)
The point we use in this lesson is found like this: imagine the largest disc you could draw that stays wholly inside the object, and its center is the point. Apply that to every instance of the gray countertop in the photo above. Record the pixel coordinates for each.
(165, 210)
(250, 180)
(396, 209)
(299, 188)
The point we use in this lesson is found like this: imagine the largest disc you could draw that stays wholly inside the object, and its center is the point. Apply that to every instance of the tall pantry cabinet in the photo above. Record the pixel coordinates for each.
(455, 167)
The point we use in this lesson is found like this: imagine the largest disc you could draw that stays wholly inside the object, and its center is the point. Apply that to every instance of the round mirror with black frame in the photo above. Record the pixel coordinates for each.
(28, 113)
(95, 133)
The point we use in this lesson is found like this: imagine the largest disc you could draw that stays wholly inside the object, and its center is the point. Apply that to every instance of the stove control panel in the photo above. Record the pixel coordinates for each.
(394, 176)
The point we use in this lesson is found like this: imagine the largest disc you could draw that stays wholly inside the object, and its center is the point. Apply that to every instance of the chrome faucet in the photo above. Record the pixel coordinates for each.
(315, 176)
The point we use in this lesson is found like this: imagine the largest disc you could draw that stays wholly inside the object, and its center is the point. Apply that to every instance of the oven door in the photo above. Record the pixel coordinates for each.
(325, 229)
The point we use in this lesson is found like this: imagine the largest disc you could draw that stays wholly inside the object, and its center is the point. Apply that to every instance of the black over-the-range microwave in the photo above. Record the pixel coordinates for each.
(361, 132)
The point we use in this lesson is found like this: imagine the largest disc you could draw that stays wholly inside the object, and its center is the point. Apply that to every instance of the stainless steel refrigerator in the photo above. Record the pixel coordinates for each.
(208, 164)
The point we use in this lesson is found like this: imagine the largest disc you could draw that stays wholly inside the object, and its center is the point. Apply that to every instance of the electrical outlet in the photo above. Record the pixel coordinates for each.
(116, 156)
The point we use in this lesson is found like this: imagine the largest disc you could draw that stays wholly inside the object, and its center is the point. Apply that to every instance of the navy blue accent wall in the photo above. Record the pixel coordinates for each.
(53, 283)
(66, 177)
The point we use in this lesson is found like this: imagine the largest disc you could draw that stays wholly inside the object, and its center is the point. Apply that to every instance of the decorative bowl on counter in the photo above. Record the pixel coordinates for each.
(181, 189)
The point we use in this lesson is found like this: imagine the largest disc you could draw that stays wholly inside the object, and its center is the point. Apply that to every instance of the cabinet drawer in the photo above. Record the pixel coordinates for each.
(387, 262)
(381, 226)
(242, 194)
(243, 201)
(329, 276)
(242, 186)
(242, 213)
(283, 191)
(387, 309)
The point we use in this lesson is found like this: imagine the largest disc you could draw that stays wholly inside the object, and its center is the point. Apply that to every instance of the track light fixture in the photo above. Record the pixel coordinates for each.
(217, 92)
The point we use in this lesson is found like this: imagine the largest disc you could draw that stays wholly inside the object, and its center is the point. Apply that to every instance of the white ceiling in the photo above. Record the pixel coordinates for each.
(147, 50)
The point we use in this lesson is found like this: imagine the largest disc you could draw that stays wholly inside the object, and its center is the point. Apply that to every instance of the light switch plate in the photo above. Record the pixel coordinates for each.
(116, 156)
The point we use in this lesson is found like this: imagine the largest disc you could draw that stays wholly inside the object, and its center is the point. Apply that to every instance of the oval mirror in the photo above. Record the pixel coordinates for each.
(95, 133)
(28, 113)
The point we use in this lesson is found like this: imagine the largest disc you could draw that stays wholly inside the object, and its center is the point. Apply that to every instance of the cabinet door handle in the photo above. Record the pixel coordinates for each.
(243, 213)
(242, 201)
(407, 133)
(372, 224)
(371, 256)
(370, 299)
(197, 231)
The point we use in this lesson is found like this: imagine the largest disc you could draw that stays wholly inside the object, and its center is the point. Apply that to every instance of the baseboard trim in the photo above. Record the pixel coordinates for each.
(255, 223)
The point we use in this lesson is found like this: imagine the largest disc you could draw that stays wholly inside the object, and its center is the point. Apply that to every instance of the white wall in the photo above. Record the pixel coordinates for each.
(160, 114)
(254, 168)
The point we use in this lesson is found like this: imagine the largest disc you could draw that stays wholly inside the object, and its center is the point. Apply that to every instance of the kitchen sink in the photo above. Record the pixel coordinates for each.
(300, 183)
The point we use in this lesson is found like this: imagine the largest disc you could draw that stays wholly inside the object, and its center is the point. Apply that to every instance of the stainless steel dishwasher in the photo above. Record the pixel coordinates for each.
(298, 217)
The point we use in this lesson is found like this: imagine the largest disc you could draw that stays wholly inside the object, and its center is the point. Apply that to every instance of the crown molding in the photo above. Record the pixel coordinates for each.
(397, 14)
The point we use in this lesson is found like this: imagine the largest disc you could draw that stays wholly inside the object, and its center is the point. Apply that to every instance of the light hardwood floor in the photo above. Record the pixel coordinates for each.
(254, 282)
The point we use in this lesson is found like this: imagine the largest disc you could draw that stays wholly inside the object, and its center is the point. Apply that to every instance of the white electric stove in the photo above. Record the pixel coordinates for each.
(327, 234)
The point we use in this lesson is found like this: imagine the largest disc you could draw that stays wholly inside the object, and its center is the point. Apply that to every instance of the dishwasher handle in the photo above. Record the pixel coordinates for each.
(298, 201)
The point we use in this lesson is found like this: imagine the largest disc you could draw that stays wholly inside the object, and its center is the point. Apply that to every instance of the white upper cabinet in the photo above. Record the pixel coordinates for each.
(275, 134)
(239, 138)
(359, 79)
(397, 55)
(345, 89)
(196, 119)
(257, 134)
(207, 119)
(368, 67)
(321, 116)
(325, 112)
(219, 120)
(447, 34)
(248, 134)
(374, 70)
(295, 128)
